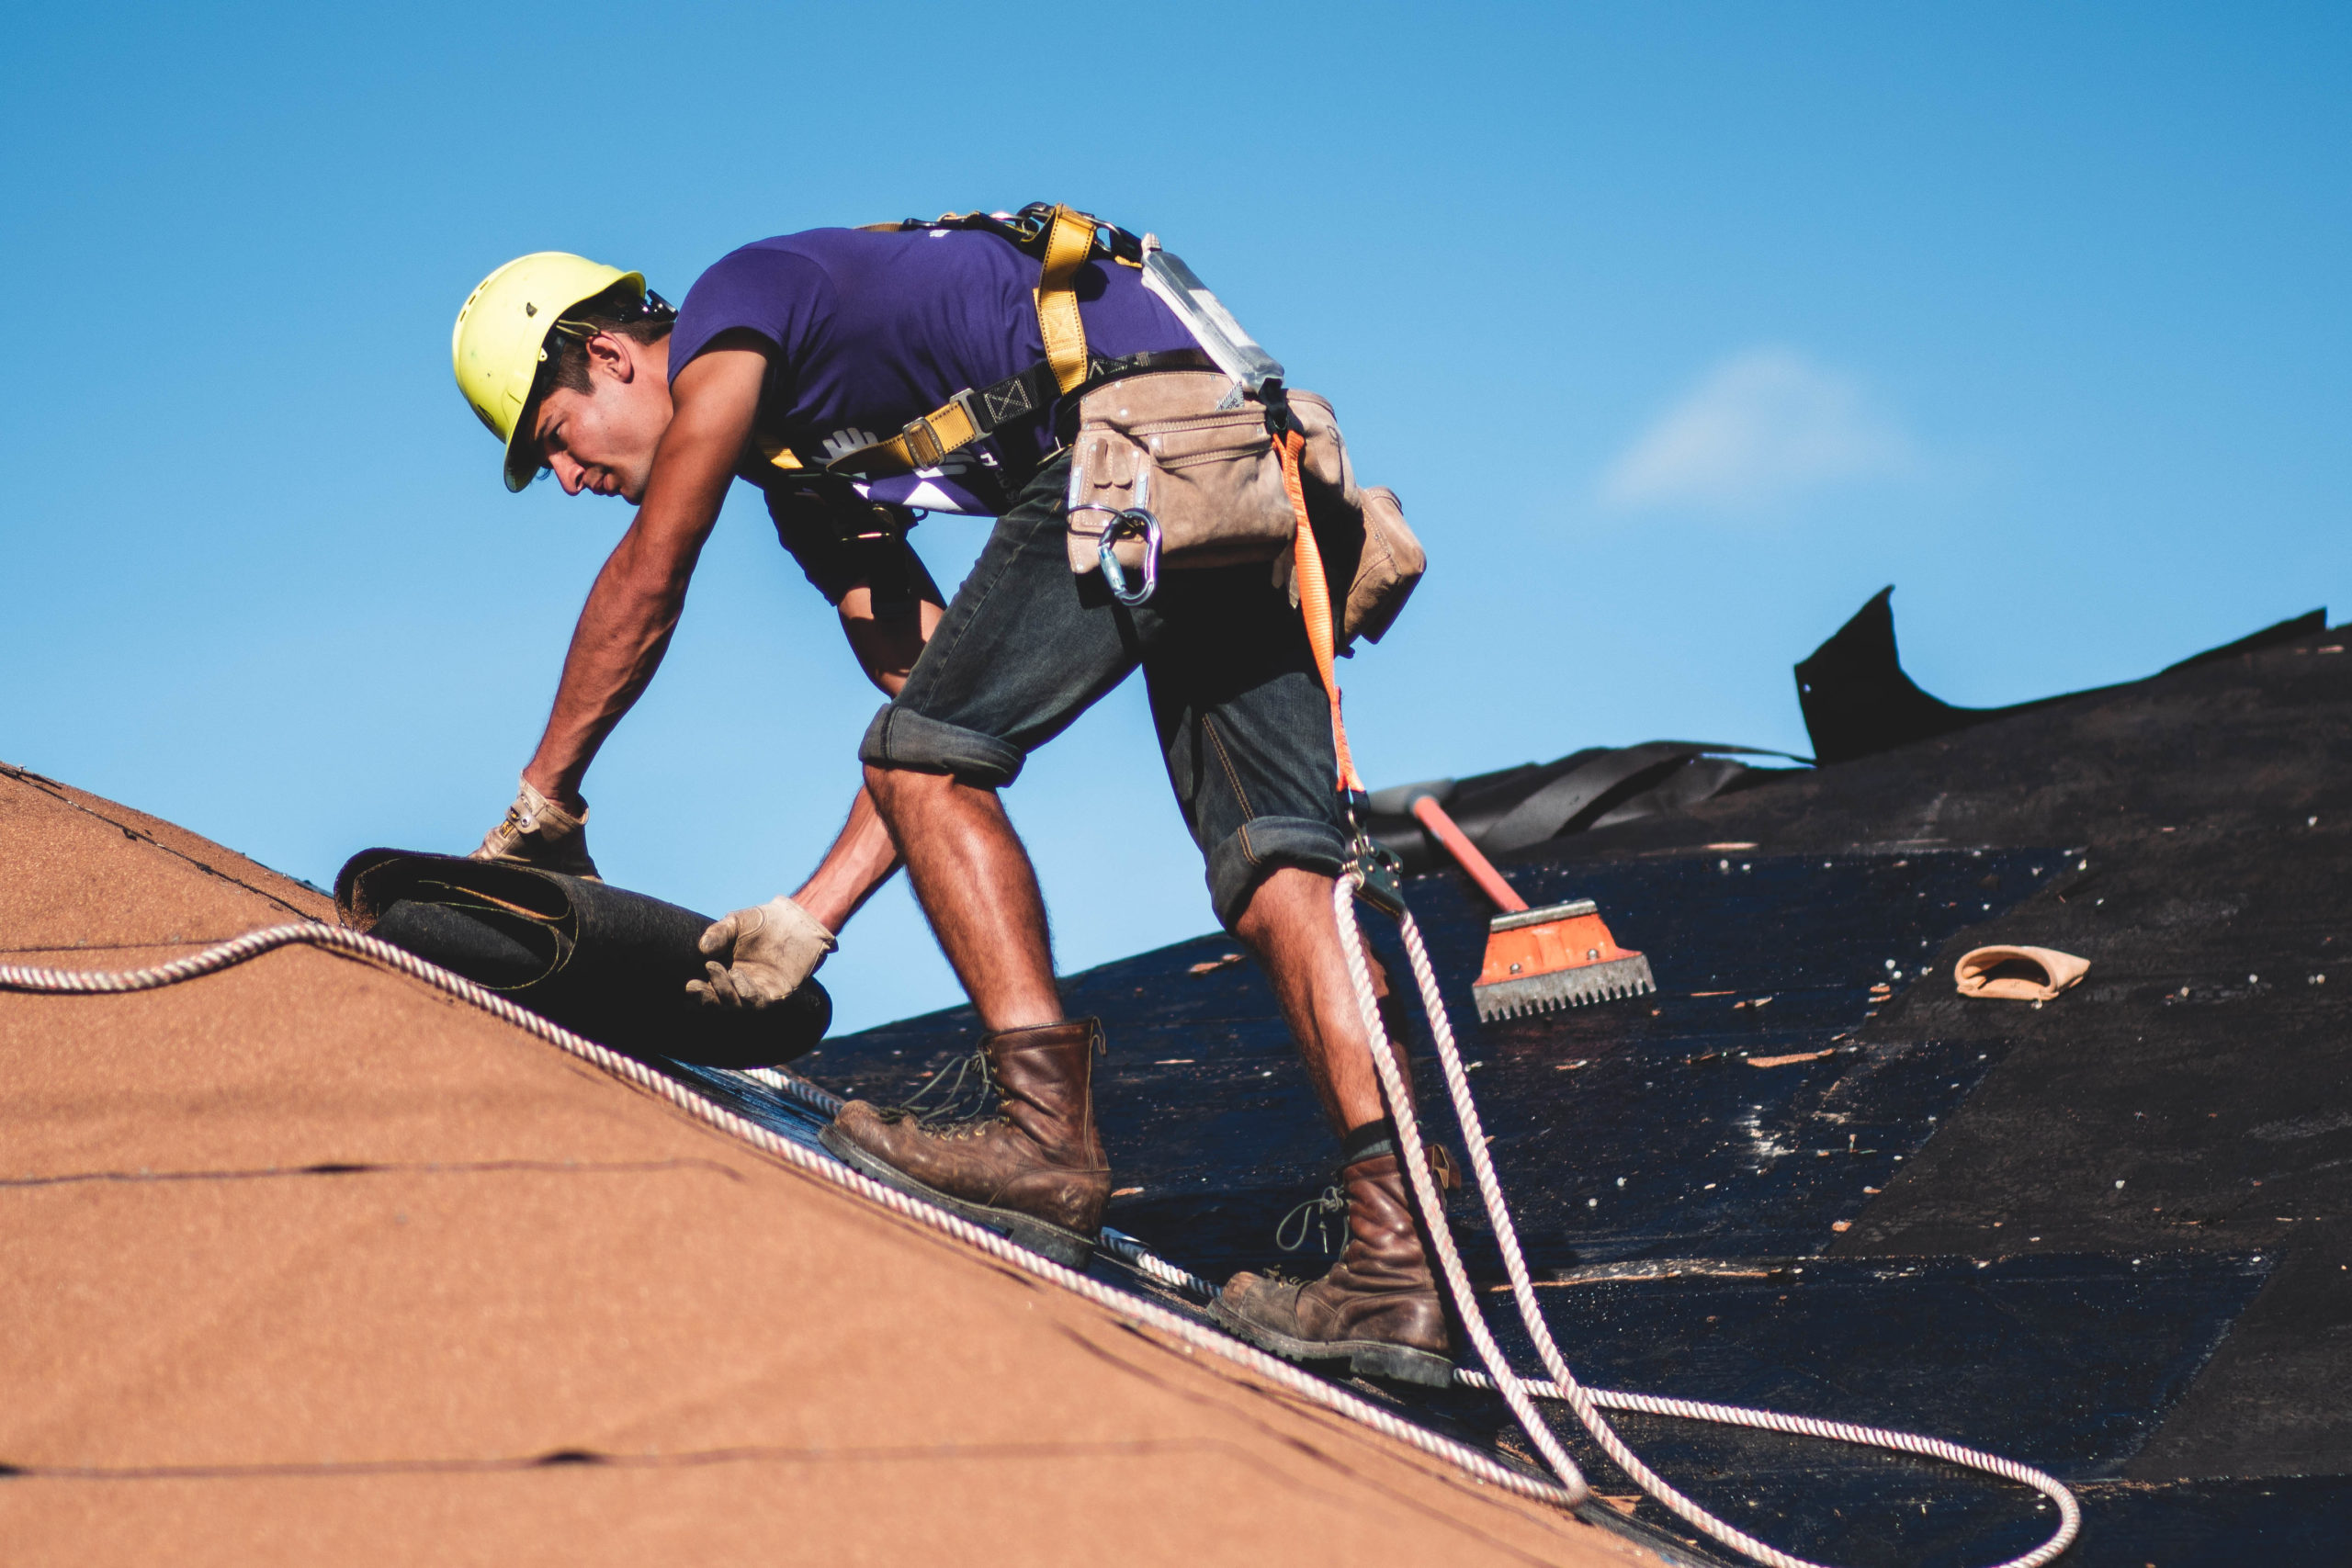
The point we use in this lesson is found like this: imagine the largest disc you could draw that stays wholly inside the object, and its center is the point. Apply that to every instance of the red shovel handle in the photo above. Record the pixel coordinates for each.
(1432, 817)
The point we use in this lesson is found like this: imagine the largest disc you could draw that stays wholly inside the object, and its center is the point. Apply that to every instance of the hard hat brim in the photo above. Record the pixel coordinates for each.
(522, 457)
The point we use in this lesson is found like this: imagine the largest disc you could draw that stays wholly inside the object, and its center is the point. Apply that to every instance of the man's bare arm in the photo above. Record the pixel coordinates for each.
(861, 861)
(632, 611)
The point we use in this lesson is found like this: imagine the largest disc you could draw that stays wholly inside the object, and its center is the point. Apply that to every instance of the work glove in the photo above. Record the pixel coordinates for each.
(539, 832)
(770, 950)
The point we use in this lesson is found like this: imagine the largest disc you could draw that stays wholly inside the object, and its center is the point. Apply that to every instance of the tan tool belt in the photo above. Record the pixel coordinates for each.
(1177, 469)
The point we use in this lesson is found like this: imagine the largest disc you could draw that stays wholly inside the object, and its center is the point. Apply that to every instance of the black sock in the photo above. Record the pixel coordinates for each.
(1371, 1138)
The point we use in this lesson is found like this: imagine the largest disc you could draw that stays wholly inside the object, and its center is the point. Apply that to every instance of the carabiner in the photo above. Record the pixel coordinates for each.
(1142, 524)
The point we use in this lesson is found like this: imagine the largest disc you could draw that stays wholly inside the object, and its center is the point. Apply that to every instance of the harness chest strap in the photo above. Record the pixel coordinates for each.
(971, 415)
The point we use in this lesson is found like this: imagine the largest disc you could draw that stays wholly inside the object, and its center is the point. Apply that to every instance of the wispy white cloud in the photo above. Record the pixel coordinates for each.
(1760, 428)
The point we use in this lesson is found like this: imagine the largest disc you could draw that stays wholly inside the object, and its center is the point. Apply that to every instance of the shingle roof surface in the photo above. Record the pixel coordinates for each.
(305, 1263)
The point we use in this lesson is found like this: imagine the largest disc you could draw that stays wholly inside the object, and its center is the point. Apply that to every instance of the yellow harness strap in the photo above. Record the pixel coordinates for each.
(1068, 245)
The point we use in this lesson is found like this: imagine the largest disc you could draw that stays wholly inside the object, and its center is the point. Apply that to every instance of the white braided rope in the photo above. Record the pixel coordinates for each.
(1313, 1390)
(1134, 1252)
(1588, 1403)
(1117, 1243)
(1830, 1431)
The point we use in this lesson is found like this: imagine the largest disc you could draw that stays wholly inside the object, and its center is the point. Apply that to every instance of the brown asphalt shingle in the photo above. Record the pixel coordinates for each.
(216, 1351)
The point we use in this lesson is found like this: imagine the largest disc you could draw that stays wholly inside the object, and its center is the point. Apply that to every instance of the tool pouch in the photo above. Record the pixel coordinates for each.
(1184, 446)
(1369, 547)
(1390, 563)
(1363, 535)
(1187, 448)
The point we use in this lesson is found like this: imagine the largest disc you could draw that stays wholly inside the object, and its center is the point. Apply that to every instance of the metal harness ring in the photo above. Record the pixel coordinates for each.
(1142, 524)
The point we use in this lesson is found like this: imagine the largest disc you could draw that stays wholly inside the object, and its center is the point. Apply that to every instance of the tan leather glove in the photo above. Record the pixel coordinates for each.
(539, 832)
(771, 950)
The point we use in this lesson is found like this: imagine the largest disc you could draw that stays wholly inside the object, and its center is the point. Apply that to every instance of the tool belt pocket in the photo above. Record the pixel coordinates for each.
(1386, 572)
(1173, 469)
(1365, 543)
(1174, 458)
(1371, 557)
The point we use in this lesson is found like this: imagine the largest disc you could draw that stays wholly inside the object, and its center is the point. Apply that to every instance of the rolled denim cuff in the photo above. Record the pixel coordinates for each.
(901, 739)
(1238, 864)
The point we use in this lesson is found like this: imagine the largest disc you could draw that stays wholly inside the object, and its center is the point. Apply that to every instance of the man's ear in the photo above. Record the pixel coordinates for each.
(610, 352)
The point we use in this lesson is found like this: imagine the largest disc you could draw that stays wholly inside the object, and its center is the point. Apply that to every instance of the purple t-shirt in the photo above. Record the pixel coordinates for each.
(877, 329)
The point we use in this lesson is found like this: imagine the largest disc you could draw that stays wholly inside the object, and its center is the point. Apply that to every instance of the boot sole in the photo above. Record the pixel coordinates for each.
(1066, 1247)
(1373, 1357)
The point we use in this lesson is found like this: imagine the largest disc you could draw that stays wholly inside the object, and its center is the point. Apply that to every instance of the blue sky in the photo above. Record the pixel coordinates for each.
(1680, 330)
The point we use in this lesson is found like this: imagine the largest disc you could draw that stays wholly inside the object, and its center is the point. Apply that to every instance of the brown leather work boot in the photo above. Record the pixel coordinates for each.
(1035, 1173)
(1377, 1309)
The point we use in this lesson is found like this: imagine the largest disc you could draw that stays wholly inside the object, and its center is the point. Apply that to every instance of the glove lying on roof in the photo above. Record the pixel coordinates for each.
(538, 832)
(771, 950)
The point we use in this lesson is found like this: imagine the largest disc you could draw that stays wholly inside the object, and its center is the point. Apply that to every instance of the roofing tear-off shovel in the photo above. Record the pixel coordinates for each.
(1558, 956)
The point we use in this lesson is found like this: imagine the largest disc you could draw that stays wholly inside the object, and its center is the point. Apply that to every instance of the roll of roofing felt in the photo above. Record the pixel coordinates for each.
(605, 961)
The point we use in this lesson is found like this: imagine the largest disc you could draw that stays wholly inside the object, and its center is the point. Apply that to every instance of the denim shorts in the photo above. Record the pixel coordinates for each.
(1027, 646)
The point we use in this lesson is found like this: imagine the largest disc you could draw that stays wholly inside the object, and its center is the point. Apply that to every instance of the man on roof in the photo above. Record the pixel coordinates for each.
(783, 362)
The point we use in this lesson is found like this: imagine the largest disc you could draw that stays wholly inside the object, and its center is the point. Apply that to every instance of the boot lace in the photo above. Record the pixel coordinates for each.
(1316, 1213)
(964, 1087)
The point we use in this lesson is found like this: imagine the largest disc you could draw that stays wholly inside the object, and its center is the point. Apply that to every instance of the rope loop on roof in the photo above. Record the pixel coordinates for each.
(1586, 1403)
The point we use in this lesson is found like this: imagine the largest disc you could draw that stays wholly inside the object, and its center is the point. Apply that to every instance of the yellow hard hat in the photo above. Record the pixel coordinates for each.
(501, 339)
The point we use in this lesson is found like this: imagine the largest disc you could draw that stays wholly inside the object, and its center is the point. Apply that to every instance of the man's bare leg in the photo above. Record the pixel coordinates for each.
(978, 890)
(1377, 1308)
(1289, 925)
(1036, 1170)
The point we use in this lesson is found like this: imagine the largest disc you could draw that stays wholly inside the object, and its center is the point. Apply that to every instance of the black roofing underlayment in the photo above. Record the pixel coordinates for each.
(2110, 1236)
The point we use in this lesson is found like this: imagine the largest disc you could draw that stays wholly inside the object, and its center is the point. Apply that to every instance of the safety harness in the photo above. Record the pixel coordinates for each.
(1062, 240)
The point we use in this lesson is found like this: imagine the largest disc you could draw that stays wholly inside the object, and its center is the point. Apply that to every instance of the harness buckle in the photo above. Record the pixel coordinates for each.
(968, 401)
(923, 449)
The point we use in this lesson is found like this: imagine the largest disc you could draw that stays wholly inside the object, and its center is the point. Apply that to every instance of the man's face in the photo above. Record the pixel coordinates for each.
(602, 440)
